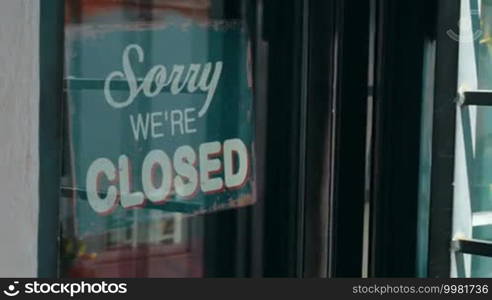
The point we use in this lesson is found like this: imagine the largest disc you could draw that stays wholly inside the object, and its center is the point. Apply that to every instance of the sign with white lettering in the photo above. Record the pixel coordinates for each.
(161, 118)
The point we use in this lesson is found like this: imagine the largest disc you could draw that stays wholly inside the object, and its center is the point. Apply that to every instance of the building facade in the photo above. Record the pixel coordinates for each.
(234, 138)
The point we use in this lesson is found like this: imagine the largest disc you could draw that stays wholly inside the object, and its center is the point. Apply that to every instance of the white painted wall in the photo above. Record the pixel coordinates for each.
(19, 168)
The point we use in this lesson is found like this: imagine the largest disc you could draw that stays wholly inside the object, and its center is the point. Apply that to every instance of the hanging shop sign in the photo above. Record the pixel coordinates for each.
(161, 118)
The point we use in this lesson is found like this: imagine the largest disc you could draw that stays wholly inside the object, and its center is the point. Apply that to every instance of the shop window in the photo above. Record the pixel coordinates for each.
(158, 134)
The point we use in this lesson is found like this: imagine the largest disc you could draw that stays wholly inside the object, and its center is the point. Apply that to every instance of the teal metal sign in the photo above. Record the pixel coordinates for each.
(160, 118)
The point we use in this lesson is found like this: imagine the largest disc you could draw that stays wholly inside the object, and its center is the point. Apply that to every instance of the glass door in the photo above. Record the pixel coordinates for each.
(186, 136)
(159, 139)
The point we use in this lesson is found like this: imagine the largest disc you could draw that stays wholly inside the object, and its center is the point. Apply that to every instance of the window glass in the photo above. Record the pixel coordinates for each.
(473, 175)
(159, 135)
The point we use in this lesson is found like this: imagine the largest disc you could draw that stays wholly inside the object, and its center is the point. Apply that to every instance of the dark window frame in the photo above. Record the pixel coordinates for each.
(443, 141)
(50, 134)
